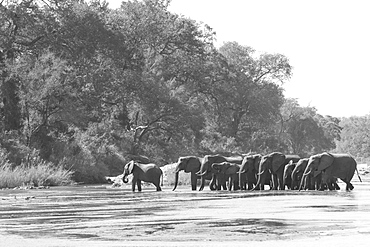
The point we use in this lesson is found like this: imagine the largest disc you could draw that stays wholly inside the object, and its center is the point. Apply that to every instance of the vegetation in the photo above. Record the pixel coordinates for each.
(88, 87)
(33, 173)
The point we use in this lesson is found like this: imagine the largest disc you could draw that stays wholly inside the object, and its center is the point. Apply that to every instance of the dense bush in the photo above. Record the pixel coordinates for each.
(33, 172)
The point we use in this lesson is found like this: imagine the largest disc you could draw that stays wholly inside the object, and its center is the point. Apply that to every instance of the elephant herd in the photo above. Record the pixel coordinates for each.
(254, 171)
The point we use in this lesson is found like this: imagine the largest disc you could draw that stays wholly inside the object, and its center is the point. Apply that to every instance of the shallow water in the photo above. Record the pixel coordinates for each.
(105, 216)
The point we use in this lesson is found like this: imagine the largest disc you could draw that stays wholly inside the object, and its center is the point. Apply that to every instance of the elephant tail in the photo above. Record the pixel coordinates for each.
(161, 178)
(358, 175)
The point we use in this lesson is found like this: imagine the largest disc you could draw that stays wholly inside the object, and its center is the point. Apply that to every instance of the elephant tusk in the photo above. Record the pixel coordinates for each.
(306, 174)
(177, 170)
(302, 181)
(259, 174)
(201, 174)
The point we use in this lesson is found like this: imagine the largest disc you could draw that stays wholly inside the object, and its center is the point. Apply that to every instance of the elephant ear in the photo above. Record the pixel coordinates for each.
(184, 161)
(257, 160)
(326, 160)
(193, 164)
(225, 167)
(233, 169)
(244, 167)
(278, 160)
(131, 165)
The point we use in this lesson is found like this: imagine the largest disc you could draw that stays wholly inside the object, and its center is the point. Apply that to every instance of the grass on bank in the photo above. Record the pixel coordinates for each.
(35, 173)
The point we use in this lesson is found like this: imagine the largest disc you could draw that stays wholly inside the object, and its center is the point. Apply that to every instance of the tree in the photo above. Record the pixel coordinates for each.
(170, 48)
(304, 132)
(245, 95)
(355, 138)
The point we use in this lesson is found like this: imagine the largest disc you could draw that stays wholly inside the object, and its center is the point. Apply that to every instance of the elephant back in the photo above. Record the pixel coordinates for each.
(288, 157)
(235, 159)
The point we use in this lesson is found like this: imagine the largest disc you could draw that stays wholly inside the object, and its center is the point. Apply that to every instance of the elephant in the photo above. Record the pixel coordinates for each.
(142, 172)
(310, 182)
(230, 171)
(248, 171)
(206, 170)
(331, 166)
(275, 163)
(297, 173)
(287, 176)
(188, 164)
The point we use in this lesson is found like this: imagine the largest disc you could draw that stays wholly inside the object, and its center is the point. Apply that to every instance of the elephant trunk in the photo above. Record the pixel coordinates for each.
(284, 181)
(303, 178)
(202, 184)
(294, 178)
(302, 181)
(260, 180)
(125, 179)
(176, 180)
(306, 173)
(201, 173)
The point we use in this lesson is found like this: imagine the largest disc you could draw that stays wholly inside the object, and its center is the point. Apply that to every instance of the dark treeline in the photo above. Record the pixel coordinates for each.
(88, 87)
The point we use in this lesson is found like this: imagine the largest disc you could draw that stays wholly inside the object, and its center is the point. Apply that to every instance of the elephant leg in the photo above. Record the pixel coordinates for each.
(139, 185)
(349, 186)
(321, 185)
(336, 186)
(133, 184)
(212, 184)
(250, 185)
(281, 185)
(236, 184)
(242, 183)
(224, 186)
(274, 182)
(230, 185)
(158, 186)
(330, 186)
(222, 183)
(193, 177)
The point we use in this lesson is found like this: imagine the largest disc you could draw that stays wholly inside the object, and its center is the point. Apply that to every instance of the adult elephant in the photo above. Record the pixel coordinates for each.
(206, 170)
(287, 175)
(297, 174)
(310, 182)
(230, 171)
(275, 163)
(150, 173)
(188, 164)
(248, 171)
(331, 166)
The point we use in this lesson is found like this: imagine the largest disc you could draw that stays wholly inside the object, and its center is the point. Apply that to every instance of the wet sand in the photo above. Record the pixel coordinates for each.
(103, 216)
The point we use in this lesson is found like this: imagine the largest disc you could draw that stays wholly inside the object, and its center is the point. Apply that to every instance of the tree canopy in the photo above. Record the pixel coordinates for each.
(88, 87)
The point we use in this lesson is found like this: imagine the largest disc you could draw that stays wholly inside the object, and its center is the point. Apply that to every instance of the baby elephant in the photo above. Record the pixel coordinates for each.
(150, 173)
(229, 171)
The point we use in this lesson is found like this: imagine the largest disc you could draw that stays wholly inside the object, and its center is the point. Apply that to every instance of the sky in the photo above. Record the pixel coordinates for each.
(326, 41)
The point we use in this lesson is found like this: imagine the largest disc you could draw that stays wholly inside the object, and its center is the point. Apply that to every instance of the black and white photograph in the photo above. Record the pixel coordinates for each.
(184, 123)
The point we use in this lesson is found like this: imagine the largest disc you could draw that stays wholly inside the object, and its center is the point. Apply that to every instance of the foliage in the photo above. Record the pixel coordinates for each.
(89, 88)
(32, 172)
(355, 138)
(305, 132)
(243, 95)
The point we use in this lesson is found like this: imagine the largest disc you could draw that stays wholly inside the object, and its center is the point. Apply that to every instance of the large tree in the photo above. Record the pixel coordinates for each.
(355, 137)
(304, 132)
(245, 93)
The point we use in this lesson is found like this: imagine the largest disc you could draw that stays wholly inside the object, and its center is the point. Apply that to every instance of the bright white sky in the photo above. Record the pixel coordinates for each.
(327, 43)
